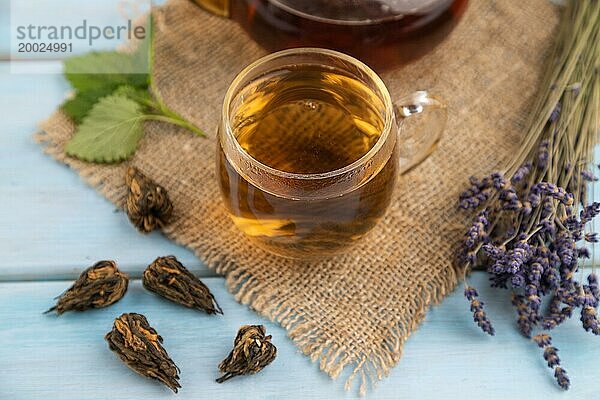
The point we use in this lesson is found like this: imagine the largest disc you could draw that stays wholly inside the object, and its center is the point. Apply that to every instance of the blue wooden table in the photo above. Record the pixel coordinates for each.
(52, 226)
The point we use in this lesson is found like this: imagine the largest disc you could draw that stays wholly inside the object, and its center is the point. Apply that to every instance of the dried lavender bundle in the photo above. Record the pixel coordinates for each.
(148, 205)
(168, 278)
(98, 286)
(532, 216)
(139, 346)
(252, 351)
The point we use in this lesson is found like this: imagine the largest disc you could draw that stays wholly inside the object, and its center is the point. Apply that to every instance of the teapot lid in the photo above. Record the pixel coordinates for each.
(357, 11)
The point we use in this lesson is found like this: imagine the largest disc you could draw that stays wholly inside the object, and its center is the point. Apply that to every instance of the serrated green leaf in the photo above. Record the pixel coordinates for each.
(111, 101)
(141, 96)
(110, 133)
(80, 105)
(98, 74)
(110, 68)
(97, 70)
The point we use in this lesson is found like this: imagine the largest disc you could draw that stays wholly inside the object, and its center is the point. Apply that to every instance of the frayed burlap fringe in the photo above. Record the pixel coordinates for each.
(355, 310)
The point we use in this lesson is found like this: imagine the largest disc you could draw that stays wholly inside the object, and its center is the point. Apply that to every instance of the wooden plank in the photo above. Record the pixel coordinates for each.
(51, 224)
(49, 357)
(4, 29)
(52, 237)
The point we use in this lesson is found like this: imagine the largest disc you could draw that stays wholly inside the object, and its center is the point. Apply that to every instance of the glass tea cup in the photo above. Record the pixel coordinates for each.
(310, 148)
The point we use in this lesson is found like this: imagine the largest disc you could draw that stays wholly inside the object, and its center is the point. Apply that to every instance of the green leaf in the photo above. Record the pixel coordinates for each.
(141, 96)
(98, 74)
(110, 133)
(80, 105)
(111, 101)
(97, 70)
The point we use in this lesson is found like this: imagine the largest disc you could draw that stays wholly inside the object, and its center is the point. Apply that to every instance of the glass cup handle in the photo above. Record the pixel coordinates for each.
(421, 122)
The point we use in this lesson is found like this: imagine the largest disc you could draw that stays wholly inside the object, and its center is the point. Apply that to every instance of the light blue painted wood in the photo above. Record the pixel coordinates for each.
(4, 28)
(51, 224)
(49, 357)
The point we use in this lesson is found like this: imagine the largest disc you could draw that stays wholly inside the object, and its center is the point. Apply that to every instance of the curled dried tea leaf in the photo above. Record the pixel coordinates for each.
(252, 351)
(148, 205)
(139, 346)
(168, 278)
(98, 286)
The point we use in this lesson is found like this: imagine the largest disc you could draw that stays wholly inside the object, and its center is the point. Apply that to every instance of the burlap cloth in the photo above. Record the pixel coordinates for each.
(358, 309)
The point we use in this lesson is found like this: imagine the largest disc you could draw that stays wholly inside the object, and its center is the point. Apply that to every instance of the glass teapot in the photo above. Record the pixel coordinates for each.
(380, 32)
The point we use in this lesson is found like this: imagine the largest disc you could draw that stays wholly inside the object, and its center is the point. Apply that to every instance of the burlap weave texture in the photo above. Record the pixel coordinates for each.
(357, 309)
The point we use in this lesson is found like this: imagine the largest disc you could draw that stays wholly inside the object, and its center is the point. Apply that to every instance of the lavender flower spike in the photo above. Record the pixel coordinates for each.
(521, 173)
(551, 356)
(556, 112)
(557, 317)
(561, 378)
(588, 176)
(542, 340)
(589, 212)
(477, 233)
(543, 155)
(593, 285)
(479, 315)
(589, 320)
(524, 312)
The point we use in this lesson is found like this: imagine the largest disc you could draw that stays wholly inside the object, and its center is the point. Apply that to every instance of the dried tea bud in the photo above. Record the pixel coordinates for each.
(98, 286)
(148, 204)
(168, 278)
(139, 346)
(252, 351)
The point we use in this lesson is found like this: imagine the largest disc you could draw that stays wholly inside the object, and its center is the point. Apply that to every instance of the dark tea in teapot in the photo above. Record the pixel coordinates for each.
(380, 32)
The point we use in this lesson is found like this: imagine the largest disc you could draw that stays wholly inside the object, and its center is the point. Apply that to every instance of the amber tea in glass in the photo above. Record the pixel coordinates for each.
(309, 153)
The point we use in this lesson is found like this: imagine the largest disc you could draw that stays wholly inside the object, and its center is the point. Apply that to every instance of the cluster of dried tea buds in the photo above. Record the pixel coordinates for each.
(98, 286)
(252, 351)
(103, 284)
(168, 278)
(139, 346)
(148, 205)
